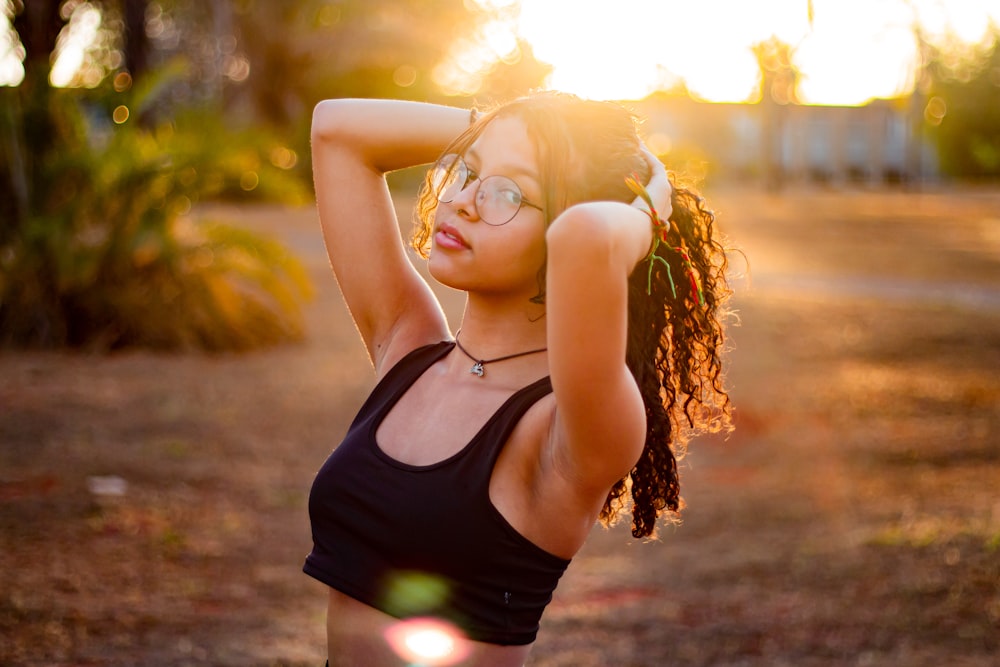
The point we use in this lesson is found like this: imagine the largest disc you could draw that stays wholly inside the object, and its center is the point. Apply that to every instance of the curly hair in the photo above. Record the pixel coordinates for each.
(586, 150)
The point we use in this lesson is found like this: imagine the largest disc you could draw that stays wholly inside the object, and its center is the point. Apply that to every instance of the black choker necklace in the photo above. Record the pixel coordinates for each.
(477, 368)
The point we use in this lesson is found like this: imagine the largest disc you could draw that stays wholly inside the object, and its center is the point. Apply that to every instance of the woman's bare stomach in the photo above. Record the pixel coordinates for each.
(360, 636)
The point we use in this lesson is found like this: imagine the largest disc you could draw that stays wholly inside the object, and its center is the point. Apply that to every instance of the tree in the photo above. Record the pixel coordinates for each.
(135, 48)
(38, 25)
(318, 49)
(779, 83)
(95, 250)
(194, 99)
(960, 108)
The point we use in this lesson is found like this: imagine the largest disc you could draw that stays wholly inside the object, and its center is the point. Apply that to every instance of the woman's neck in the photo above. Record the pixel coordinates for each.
(495, 329)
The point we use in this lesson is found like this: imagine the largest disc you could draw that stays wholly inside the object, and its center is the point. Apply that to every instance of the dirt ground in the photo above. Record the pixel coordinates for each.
(851, 519)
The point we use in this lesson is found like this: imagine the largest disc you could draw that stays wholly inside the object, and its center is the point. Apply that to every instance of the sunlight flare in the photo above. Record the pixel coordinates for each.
(848, 51)
(427, 642)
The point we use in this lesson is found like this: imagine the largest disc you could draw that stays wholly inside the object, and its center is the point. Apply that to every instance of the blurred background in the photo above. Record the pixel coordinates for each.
(119, 116)
(156, 199)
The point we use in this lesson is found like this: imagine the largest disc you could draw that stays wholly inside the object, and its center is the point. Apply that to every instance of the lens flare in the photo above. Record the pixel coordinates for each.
(427, 642)
(414, 594)
(249, 180)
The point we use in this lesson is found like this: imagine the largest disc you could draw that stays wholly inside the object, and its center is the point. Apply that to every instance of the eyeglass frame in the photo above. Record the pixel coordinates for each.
(471, 175)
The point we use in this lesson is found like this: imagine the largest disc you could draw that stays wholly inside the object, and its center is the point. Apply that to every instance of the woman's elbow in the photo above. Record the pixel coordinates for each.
(582, 230)
(332, 120)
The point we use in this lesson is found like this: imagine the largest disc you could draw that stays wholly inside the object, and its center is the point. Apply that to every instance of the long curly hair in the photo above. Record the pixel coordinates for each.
(585, 151)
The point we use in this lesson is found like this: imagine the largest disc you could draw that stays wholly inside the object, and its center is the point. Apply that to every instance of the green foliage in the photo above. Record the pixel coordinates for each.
(105, 253)
(98, 246)
(962, 107)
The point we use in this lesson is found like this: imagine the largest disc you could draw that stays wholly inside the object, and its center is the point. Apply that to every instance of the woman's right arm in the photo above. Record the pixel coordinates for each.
(354, 144)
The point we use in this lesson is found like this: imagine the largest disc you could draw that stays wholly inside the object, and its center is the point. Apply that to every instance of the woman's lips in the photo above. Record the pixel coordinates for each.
(448, 237)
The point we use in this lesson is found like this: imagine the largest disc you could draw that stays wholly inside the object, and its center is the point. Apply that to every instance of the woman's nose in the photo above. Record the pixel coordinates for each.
(467, 199)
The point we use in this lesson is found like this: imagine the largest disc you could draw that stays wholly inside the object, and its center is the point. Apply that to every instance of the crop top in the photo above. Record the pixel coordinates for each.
(427, 540)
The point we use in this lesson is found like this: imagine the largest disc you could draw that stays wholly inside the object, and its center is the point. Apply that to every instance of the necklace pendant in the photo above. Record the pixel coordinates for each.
(477, 368)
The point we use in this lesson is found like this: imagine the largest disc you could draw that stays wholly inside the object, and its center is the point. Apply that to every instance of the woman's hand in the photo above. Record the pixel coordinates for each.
(354, 143)
(657, 188)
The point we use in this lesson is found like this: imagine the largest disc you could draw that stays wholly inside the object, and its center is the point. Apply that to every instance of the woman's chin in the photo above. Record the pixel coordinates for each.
(444, 273)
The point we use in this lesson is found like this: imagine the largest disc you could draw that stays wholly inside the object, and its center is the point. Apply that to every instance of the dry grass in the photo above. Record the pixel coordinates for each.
(852, 518)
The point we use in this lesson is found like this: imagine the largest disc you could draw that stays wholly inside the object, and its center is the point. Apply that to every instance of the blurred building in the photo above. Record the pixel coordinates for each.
(879, 143)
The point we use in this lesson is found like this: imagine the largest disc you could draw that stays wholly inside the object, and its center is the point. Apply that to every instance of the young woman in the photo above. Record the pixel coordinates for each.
(589, 350)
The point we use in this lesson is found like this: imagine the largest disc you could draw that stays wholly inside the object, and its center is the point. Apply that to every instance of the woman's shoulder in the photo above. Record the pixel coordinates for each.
(401, 345)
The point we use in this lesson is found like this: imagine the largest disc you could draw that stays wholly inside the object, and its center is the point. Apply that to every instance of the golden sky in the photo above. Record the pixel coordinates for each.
(852, 51)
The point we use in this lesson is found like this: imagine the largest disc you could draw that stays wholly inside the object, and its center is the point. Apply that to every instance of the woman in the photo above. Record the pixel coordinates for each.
(588, 350)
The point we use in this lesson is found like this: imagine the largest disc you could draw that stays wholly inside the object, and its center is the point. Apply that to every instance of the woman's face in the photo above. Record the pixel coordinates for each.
(471, 255)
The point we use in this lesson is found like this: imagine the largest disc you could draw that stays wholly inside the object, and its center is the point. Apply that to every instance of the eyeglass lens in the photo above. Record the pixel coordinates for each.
(498, 199)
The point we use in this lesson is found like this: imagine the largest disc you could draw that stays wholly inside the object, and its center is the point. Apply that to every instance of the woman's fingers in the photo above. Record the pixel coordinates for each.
(658, 185)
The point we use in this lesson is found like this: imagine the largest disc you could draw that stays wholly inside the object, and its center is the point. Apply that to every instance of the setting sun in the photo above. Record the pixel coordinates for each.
(850, 52)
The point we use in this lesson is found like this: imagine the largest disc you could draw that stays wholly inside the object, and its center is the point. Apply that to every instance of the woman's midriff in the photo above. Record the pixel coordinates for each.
(361, 635)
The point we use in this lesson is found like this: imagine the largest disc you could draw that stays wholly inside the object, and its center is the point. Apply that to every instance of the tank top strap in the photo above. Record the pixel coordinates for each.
(502, 423)
(401, 377)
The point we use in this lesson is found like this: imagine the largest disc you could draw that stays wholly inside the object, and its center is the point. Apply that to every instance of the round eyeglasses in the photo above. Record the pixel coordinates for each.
(498, 199)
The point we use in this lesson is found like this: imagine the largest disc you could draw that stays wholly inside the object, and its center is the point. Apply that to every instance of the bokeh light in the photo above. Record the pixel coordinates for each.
(422, 640)
(11, 51)
(284, 158)
(122, 81)
(935, 110)
(236, 67)
(405, 76)
(249, 181)
(413, 593)
(71, 51)
(427, 642)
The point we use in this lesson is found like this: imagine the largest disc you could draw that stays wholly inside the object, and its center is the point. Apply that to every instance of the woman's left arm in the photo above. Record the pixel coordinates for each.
(600, 424)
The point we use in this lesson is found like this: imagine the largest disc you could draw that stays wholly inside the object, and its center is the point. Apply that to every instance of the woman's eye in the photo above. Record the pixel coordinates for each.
(511, 195)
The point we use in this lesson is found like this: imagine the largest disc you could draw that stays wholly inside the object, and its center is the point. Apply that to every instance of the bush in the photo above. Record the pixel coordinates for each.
(105, 254)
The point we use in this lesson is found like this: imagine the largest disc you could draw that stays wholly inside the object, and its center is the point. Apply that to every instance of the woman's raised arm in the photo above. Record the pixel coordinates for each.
(354, 144)
(593, 248)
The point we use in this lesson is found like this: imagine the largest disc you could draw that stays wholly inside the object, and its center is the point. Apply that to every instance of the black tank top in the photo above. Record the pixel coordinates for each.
(426, 540)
